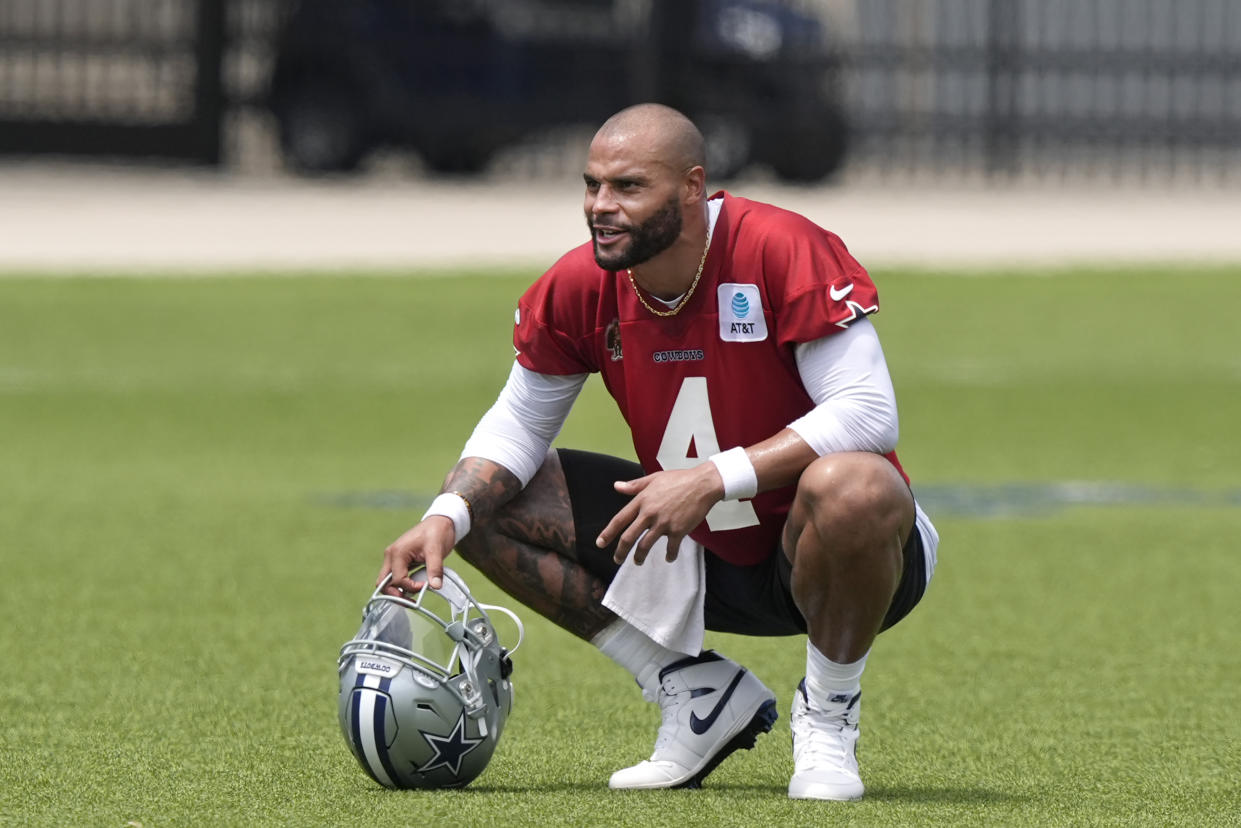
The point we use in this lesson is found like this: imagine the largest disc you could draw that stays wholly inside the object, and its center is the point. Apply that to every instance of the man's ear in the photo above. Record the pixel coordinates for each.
(694, 185)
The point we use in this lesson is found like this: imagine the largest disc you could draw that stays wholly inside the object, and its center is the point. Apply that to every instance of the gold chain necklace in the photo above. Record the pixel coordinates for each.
(685, 298)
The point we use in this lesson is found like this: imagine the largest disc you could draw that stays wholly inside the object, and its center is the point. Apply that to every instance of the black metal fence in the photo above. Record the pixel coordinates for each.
(926, 87)
(1151, 87)
(112, 77)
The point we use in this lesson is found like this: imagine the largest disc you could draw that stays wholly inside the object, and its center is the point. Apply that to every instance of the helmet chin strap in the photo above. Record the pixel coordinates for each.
(456, 631)
(521, 628)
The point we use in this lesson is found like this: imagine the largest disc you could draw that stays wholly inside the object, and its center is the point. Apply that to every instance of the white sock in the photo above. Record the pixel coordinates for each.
(636, 652)
(825, 678)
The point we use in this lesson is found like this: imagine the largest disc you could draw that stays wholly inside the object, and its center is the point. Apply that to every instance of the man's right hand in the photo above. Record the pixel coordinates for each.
(427, 543)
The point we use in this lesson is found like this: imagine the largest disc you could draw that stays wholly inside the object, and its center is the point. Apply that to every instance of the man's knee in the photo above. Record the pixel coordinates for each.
(855, 492)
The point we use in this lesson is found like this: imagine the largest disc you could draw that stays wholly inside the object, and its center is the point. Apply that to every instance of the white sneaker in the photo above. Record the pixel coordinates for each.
(825, 747)
(711, 707)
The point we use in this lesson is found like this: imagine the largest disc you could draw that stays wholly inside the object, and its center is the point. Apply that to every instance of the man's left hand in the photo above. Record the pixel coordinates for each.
(665, 504)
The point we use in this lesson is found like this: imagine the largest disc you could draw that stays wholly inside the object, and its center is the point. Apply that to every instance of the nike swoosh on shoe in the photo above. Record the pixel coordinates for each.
(701, 726)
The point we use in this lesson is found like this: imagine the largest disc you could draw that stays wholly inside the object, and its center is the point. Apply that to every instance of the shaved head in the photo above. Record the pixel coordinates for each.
(646, 195)
(669, 137)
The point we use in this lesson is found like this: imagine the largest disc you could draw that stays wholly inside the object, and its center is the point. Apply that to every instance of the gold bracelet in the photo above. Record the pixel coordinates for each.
(469, 507)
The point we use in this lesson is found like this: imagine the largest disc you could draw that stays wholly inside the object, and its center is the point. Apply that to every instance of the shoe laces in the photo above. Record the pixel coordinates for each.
(669, 705)
(821, 736)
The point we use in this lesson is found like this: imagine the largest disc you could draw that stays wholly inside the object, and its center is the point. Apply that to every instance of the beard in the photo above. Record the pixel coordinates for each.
(646, 240)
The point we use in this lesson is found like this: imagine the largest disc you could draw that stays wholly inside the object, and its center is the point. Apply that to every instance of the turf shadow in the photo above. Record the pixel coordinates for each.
(597, 787)
(943, 795)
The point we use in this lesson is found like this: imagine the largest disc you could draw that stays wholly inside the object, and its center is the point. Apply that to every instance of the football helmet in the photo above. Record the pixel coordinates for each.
(424, 685)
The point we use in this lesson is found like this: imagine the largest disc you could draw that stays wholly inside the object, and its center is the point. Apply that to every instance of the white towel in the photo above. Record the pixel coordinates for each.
(664, 600)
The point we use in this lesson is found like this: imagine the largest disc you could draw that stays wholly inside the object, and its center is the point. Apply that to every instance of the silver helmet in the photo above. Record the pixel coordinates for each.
(424, 686)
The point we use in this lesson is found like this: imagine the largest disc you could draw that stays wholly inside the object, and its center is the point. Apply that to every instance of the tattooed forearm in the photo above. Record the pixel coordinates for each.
(487, 486)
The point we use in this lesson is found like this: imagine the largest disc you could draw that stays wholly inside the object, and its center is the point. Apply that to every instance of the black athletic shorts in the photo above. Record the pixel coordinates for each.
(748, 600)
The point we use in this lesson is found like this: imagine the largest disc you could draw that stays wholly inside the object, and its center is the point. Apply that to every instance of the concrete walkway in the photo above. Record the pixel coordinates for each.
(94, 219)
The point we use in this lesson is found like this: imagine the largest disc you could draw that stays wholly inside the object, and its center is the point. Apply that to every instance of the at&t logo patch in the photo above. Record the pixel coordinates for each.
(741, 313)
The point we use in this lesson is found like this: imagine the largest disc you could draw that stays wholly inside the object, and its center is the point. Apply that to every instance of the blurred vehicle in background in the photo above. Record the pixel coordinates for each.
(457, 80)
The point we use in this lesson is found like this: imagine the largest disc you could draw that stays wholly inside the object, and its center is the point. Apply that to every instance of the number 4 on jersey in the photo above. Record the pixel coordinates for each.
(690, 423)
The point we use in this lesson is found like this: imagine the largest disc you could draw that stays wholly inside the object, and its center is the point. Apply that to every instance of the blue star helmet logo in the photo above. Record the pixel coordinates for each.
(451, 750)
(741, 305)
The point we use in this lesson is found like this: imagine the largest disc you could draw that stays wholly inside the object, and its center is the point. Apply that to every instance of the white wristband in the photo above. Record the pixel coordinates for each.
(453, 506)
(740, 479)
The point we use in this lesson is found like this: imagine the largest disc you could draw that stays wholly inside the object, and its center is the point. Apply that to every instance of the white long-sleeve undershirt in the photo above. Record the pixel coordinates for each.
(855, 405)
(845, 374)
(517, 431)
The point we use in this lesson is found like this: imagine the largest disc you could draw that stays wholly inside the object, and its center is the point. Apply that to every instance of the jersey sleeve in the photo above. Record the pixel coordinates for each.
(554, 322)
(823, 289)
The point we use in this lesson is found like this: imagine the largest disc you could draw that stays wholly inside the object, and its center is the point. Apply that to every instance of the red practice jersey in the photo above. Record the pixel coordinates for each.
(722, 372)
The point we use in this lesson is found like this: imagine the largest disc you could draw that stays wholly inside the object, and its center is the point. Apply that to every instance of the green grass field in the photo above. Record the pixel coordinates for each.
(198, 477)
